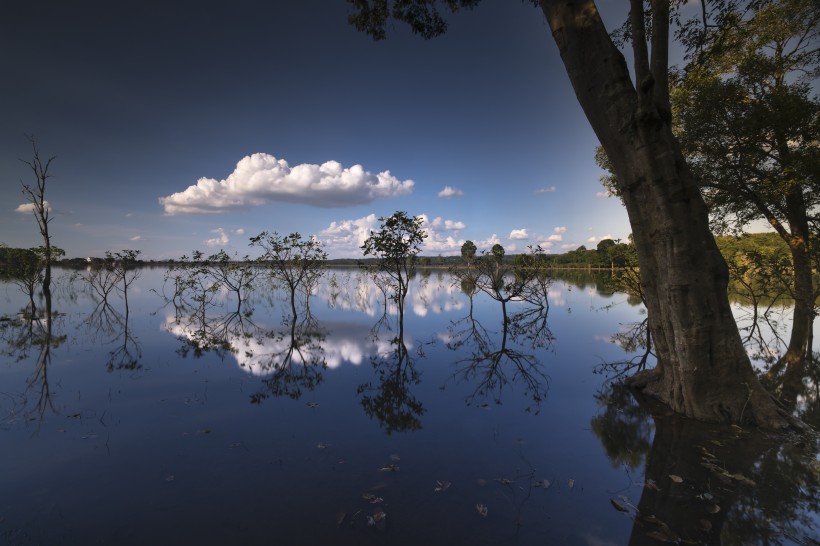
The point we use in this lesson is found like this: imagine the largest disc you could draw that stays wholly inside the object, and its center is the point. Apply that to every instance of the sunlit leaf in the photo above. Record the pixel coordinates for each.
(481, 509)
(741, 478)
(650, 484)
(618, 506)
(675, 478)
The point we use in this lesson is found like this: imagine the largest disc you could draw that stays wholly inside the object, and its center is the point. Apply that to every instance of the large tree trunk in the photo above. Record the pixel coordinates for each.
(703, 370)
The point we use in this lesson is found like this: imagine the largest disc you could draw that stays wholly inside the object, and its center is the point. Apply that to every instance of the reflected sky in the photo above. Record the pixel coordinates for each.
(256, 426)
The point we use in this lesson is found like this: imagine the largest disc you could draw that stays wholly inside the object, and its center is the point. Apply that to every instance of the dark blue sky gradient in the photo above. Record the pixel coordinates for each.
(138, 100)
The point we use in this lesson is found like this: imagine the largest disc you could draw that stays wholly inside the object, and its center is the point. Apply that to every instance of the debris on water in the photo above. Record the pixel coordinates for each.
(441, 486)
(481, 509)
(389, 467)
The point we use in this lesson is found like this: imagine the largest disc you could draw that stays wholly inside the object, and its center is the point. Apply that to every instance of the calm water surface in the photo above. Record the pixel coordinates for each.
(173, 425)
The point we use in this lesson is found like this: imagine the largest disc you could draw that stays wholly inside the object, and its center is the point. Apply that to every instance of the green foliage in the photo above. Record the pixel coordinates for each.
(292, 260)
(747, 119)
(395, 246)
(468, 251)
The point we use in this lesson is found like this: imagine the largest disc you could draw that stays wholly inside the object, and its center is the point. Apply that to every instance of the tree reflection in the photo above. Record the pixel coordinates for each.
(706, 483)
(295, 361)
(495, 364)
(23, 336)
(388, 399)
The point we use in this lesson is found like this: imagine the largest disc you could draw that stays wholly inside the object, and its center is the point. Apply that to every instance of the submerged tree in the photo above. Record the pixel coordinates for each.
(749, 126)
(395, 245)
(296, 262)
(703, 370)
(36, 196)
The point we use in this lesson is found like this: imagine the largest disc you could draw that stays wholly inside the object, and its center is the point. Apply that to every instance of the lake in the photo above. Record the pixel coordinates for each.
(186, 422)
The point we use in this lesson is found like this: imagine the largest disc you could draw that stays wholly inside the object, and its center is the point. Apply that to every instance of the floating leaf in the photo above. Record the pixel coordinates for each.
(675, 478)
(481, 509)
(618, 506)
(389, 467)
(485, 406)
(543, 483)
(712, 508)
(503, 481)
(322, 445)
(312, 405)
(169, 478)
(706, 524)
(340, 517)
(717, 443)
(650, 484)
(441, 486)
(203, 431)
(394, 458)
(571, 483)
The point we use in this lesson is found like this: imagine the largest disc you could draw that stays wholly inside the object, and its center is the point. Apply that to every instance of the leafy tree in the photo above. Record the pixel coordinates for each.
(292, 260)
(749, 126)
(468, 250)
(703, 369)
(123, 265)
(396, 245)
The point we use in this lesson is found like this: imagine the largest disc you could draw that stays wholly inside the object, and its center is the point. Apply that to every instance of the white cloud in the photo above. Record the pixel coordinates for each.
(487, 244)
(136, 238)
(550, 189)
(557, 234)
(240, 231)
(27, 208)
(450, 191)
(594, 239)
(261, 178)
(345, 238)
(439, 223)
(221, 239)
(518, 234)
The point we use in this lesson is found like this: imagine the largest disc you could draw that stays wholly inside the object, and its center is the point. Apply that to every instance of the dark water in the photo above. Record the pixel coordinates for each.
(170, 426)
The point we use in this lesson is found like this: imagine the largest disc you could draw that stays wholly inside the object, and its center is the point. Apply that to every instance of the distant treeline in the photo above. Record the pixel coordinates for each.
(608, 254)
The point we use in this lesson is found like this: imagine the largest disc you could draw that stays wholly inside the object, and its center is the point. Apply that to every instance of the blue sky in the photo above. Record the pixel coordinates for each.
(181, 127)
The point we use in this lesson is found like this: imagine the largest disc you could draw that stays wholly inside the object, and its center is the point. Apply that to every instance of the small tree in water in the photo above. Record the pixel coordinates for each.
(396, 245)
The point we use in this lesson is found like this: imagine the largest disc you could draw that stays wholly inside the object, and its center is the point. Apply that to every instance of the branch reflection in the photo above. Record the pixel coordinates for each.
(706, 483)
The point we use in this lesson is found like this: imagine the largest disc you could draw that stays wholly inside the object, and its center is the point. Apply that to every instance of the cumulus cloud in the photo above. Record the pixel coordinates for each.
(548, 189)
(345, 238)
(136, 238)
(28, 208)
(240, 231)
(261, 178)
(557, 234)
(594, 239)
(221, 238)
(450, 191)
(518, 234)
(439, 223)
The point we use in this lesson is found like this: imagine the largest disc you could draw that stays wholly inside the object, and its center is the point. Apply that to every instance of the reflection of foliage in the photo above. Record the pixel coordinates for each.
(493, 367)
(707, 483)
(107, 321)
(296, 364)
(624, 428)
(390, 401)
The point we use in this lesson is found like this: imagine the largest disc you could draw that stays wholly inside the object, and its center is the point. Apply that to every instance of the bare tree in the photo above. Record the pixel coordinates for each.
(36, 195)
